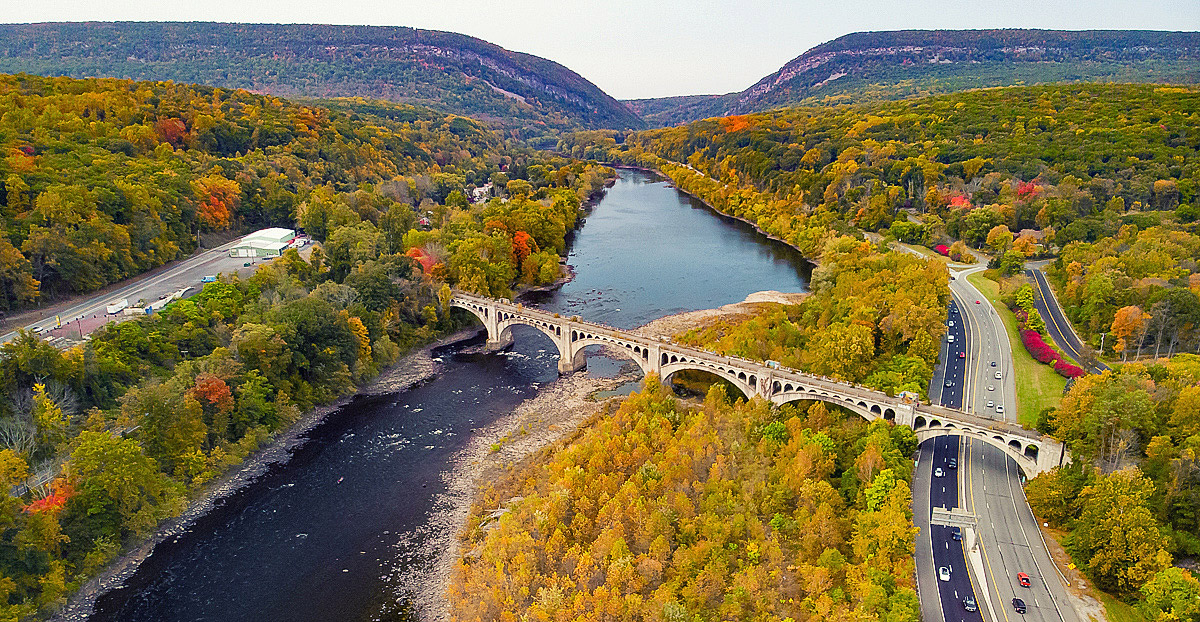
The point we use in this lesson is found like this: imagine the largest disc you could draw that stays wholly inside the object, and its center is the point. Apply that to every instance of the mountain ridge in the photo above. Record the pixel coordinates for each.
(902, 63)
(445, 70)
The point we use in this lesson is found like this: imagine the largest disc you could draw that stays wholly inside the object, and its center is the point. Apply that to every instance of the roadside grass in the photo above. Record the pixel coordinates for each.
(1038, 386)
(1118, 611)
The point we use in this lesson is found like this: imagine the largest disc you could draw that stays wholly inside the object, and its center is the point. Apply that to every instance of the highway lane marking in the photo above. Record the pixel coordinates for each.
(1040, 278)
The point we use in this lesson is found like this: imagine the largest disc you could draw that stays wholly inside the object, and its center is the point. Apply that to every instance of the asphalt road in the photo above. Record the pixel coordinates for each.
(1056, 321)
(988, 353)
(1010, 539)
(949, 376)
(84, 317)
(936, 547)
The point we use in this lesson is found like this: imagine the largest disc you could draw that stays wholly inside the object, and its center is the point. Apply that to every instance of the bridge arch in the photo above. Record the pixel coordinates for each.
(581, 340)
(801, 395)
(1011, 447)
(723, 372)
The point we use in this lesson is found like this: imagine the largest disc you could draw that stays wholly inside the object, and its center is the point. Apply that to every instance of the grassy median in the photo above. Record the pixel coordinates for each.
(1038, 386)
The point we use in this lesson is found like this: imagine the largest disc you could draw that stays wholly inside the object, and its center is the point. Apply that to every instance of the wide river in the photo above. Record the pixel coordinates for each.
(339, 532)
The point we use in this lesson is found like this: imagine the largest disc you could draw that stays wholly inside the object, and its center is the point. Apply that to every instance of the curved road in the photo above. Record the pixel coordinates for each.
(1058, 325)
(988, 353)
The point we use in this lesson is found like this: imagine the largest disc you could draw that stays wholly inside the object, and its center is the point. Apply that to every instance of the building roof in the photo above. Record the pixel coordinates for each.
(273, 234)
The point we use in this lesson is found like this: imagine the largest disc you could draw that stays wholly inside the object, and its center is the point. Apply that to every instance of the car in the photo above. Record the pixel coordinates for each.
(938, 472)
(999, 408)
(998, 376)
(962, 355)
(991, 387)
(951, 324)
(990, 403)
(1023, 579)
(952, 463)
(950, 338)
(978, 302)
(956, 535)
(949, 383)
(1018, 605)
(246, 265)
(944, 573)
(969, 604)
(993, 363)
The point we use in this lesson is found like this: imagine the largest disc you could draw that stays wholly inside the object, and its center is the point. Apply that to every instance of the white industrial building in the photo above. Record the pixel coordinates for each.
(265, 243)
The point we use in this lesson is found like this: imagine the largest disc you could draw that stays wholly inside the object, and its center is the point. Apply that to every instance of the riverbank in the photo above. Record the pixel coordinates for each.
(535, 429)
(409, 371)
(550, 418)
(674, 182)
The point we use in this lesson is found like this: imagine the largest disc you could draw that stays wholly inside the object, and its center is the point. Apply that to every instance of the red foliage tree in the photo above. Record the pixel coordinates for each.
(422, 258)
(213, 391)
(54, 502)
(521, 247)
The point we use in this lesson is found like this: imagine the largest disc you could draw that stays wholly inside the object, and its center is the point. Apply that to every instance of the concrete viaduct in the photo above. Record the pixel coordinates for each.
(1033, 452)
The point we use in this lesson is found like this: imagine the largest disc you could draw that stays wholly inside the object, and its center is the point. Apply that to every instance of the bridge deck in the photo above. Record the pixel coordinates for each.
(750, 366)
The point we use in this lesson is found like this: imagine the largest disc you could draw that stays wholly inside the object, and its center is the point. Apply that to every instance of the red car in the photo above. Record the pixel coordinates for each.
(962, 355)
(1023, 579)
(977, 302)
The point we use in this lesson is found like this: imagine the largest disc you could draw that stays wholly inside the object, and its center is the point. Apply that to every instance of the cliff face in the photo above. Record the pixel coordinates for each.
(444, 70)
(869, 66)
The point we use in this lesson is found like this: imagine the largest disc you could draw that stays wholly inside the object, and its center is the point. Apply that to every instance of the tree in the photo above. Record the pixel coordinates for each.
(107, 467)
(1173, 595)
(1128, 323)
(999, 239)
(1117, 534)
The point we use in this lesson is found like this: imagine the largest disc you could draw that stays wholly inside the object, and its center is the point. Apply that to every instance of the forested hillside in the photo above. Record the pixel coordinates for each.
(873, 66)
(873, 318)
(104, 178)
(525, 94)
(1067, 161)
(662, 511)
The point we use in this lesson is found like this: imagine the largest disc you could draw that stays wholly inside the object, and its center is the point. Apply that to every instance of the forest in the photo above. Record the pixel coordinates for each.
(872, 318)
(1065, 161)
(130, 424)
(661, 510)
(1129, 500)
(520, 94)
(902, 64)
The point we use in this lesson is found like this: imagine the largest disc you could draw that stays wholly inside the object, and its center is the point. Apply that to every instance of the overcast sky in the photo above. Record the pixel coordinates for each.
(645, 48)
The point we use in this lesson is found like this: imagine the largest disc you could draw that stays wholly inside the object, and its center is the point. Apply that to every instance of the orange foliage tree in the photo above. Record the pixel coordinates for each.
(217, 199)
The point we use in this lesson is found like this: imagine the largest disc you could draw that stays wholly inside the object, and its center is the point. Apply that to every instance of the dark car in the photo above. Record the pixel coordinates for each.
(1018, 605)
(969, 604)
(952, 463)
(956, 534)
(1023, 579)
(993, 363)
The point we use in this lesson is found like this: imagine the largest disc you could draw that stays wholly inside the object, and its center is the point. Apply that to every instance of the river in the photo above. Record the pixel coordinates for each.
(339, 532)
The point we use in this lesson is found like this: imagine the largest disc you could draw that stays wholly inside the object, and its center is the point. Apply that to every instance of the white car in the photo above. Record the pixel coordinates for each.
(938, 472)
(991, 387)
(950, 338)
(990, 403)
(999, 408)
(951, 324)
(944, 573)
(998, 376)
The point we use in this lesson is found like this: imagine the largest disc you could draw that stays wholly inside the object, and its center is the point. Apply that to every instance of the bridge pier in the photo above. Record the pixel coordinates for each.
(1035, 453)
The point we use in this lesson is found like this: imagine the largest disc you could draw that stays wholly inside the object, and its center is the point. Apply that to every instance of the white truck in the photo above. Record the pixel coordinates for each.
(117, 306)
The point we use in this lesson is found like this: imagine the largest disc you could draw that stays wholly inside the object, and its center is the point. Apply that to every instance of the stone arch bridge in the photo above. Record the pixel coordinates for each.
(1033, 452)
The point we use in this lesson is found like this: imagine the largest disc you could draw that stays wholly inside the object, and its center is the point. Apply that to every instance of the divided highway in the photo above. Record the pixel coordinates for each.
(1057, 324)
(1010, 540)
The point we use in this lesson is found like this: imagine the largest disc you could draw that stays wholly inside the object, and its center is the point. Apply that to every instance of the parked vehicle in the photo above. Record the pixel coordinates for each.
(212, 278)
(117, 306)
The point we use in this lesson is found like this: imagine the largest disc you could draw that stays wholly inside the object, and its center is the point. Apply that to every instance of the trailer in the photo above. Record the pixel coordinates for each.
(117, 306)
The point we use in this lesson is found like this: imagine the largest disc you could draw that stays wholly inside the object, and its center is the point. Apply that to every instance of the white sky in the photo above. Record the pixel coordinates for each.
(645, 48)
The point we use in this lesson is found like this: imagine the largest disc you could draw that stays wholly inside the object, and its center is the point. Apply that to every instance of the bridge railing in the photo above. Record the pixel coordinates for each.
(757, 367)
